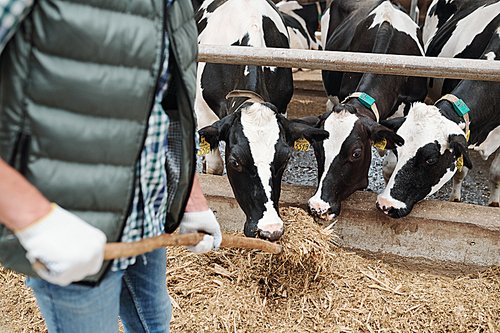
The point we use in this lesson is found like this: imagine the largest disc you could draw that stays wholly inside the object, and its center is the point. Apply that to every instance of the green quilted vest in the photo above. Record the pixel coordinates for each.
(77, 85)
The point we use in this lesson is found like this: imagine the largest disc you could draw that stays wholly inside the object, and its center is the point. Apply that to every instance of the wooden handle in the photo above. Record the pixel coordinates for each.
(120, 250)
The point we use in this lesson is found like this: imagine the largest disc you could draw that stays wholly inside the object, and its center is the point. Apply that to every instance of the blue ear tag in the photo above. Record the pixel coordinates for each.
(366, 100)
(460, 107)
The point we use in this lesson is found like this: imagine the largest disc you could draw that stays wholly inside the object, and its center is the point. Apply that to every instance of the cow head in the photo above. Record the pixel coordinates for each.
(344, 158)
(427, 160)
(258, 147)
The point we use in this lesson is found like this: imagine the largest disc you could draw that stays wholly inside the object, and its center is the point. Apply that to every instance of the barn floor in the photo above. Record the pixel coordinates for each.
(311, 288)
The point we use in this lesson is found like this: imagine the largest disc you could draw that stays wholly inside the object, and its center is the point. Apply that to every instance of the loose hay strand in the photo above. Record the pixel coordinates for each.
(312, 287)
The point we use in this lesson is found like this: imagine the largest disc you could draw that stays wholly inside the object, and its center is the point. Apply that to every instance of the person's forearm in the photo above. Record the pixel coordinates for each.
(21, 203)
(197, 201)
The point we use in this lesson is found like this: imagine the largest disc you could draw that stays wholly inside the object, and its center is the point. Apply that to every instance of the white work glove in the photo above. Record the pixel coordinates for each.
(202, 222)
(62, 247)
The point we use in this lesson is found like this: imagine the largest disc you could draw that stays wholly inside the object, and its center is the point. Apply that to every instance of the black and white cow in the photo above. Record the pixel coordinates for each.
(436, 146)
(438, 13)
(344, 158)
(302, 21)
(257, 135)
(467, 29)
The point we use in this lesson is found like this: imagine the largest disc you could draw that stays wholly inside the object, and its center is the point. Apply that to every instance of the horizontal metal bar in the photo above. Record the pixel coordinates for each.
(472, 69)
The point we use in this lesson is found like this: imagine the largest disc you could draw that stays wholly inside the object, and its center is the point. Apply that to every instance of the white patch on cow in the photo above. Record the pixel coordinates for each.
(490, 56)
(339, 125)
(260, 127)
(424, 124)
(325, 23)
(468, 28)
(386, 12)
(288, 6)
(204, 114)
(490, 145)
(446, 177)
(246, 71)
(236, 18)
(400, 112)
(430, 24)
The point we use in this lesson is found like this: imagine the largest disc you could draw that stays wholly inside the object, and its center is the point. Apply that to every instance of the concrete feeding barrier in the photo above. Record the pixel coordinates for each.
(437, 236)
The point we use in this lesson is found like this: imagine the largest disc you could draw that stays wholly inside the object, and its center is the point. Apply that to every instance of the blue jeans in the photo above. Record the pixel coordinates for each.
(137, 294)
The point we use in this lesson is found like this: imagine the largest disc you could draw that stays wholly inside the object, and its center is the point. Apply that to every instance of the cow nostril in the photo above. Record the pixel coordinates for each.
(385, 209)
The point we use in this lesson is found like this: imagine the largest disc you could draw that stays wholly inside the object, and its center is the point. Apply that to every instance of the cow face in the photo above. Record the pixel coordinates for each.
(344, 158)
(258, 143)
(426, 161)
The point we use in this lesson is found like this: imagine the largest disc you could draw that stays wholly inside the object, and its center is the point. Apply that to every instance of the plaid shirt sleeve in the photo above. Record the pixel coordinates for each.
(12, 12)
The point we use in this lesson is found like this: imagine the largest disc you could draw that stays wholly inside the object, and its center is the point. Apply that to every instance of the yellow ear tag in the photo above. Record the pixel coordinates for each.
(204, 147)
(301, 144)
(460, 163)
(381, 144)
(467, 136)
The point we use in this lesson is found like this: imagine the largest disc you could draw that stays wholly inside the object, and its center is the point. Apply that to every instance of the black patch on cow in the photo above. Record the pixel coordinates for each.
(201, 25)
(444, 10)
(415, 179)
(215, 4)
(291, 22)
(272, 36)
(383, 38)
(476, 48)
(309, 12)
(245, 41)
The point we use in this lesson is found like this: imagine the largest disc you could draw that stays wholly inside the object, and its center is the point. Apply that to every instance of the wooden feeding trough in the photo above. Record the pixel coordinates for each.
(437, 236)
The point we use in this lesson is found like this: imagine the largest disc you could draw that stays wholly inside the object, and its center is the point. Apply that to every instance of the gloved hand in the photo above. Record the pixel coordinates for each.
(68, 247)
(202, 222)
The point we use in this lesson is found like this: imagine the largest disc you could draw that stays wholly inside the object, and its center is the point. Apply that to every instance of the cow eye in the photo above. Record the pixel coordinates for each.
(356, 154)
(431, 161)
(234, 164)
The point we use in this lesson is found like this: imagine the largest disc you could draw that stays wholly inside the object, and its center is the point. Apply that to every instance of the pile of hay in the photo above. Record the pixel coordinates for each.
(312, 287)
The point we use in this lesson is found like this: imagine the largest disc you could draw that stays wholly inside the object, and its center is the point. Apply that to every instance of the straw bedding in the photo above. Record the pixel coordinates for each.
(312, 287)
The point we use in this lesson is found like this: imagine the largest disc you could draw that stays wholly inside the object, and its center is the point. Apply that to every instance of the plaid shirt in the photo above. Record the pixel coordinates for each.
(149, 204)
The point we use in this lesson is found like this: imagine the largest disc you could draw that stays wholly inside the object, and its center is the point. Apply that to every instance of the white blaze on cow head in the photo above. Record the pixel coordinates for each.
(426, 161)
(258, 147)
(344, 158)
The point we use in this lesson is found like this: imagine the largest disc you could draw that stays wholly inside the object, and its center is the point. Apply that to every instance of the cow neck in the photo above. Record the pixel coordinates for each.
(365, 100)
(460, 108)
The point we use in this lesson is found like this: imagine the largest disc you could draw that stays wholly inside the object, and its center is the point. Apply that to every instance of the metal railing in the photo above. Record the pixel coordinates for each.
(455, 68)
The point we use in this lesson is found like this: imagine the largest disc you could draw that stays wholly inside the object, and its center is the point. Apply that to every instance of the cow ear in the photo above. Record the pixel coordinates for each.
(459, 145)
(385, 138)
(381, 136)
(218, 131)
(314, 121)
(393, 124)
(297, 129)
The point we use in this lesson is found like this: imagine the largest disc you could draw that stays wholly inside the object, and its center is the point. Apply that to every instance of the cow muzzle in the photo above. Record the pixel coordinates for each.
(271, 235)
(392, 209)
(271, 231)
(322, 210)
(268, 229)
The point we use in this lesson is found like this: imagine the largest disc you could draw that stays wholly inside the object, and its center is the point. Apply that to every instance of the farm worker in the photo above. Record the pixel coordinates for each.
(97, 143)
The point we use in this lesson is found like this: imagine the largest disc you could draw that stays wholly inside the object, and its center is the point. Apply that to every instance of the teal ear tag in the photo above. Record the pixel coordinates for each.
(460, 107)
(366, 100)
